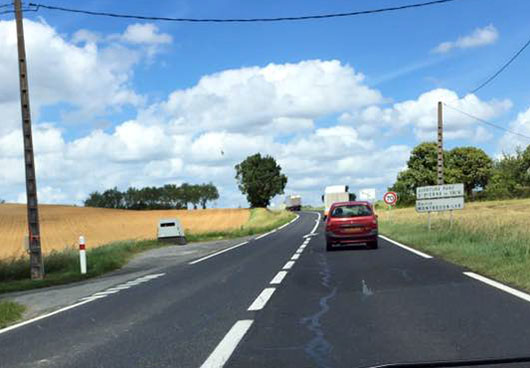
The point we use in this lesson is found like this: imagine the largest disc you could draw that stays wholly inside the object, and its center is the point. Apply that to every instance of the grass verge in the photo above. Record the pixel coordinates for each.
(10, 312)
(261, 220)
(498, 252)
(62, 267)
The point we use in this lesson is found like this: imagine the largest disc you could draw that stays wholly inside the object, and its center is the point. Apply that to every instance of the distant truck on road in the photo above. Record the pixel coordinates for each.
(335, 193)
(293, 203)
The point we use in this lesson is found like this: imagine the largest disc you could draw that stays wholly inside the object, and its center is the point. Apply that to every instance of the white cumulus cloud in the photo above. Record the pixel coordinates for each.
(521, 125)
(145, 33)
(480, 37)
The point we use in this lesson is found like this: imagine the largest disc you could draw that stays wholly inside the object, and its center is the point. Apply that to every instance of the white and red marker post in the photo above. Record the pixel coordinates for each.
(82, 254)
(390, 199)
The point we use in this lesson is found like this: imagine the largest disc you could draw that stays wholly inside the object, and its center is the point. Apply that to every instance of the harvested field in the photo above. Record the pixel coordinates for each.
(61, 226)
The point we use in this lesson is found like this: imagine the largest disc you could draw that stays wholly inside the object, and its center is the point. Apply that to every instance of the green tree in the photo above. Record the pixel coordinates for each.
(260, 179)
(209, 192)
(421, 171)
(186, 194)
(470, 166)
(509, 177)
(95, 199)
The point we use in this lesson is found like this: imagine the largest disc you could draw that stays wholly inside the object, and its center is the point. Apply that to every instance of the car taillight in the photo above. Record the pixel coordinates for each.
(374, 223)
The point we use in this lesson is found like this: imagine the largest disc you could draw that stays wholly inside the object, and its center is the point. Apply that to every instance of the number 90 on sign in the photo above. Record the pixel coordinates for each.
(390, 198)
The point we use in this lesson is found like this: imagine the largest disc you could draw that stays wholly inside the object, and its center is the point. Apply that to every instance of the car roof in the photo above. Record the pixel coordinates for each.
(350, 203)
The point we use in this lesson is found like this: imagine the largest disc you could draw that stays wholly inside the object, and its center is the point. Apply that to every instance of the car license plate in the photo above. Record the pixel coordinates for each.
(353, 230)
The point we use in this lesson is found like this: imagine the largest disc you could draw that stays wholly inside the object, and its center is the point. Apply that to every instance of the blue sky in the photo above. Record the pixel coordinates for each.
(393, 51)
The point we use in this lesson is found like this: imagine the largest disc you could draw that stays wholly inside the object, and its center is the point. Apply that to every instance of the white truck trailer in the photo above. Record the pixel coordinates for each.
(332, 194)
(293, 203)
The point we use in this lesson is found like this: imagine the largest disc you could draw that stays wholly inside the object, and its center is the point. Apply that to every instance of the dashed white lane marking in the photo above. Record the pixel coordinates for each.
(106, 292)
(122, 287)
(217, 253)
(279, 277)
(417, 252)
(499, 286)
(295, 256)
(93, 297)
(299, 250)
(228, 344)
(127, 285)
(288, 265)
(262, 299)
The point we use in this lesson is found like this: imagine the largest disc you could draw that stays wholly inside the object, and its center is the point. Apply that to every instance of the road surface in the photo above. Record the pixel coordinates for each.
(308, 308)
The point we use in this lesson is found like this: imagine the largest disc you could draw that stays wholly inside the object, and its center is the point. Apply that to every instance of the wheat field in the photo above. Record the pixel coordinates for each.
(492, 217)
(61, 226)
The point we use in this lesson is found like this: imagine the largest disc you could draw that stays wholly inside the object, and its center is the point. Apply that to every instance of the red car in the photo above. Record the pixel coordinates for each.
(351, 223)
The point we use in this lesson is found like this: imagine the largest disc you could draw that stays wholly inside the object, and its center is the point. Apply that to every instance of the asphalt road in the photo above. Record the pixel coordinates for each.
(346, 308)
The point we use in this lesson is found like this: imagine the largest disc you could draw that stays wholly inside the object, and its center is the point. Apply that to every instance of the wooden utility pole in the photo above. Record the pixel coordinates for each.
(440, 145)
(36, 263)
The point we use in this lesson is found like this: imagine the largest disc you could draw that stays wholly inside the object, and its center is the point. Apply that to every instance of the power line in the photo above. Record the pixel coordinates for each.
(13, 12)
(503, 67)
(240, 20)
(485, 121)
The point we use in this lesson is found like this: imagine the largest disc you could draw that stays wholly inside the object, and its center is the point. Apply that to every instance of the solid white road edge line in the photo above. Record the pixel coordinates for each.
(278, 278)
(499, 286)
(45, 316)
(262, 299)
(288, 265)
(228, 344)
(217, 253)
(296, 256)
(284, 225)
(263, 235)
(238, 245)
(417, 252)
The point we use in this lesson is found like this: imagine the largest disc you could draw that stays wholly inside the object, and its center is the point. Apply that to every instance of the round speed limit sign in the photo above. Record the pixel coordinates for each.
(390, 198)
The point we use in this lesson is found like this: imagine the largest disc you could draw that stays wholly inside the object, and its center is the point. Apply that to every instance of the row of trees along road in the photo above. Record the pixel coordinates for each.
(483, 177)
(169, 196)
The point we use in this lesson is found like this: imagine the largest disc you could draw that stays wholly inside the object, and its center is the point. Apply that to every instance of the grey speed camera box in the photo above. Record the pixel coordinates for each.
(170, 230)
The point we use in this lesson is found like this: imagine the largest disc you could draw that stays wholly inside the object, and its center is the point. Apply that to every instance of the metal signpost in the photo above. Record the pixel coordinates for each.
(439, 198)
(390, 198)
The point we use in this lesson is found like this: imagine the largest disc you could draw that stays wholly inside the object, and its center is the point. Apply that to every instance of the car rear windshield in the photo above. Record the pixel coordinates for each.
(354, 210)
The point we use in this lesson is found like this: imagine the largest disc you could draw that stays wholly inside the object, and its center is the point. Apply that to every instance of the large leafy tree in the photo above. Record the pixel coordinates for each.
(470, 166)
(260, 179)
(421, 171)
